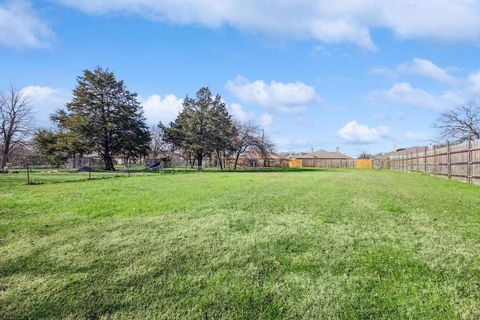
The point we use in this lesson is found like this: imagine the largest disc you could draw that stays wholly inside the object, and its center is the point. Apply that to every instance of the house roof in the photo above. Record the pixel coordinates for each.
(322, 154)
(258, 155)
(400, 151)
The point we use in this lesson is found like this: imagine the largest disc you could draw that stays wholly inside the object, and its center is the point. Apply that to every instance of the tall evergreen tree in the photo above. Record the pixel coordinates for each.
(50, 146)
(224, 130)
(202, 127)
(106, 117)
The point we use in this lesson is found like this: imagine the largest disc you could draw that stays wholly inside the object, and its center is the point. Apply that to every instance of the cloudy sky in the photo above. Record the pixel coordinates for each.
(358, 74)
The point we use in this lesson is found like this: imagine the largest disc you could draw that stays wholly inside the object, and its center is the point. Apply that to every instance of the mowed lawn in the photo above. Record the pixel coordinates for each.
(324, 244)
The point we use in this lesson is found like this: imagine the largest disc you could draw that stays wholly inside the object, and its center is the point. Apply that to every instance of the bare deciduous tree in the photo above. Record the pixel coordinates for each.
(265, 146)
(15, 122)
(158, 146)
(246, 137)
(249, 137)
(364, 155)
(460, 124)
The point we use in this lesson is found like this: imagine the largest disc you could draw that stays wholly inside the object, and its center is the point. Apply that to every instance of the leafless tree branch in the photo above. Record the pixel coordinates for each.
(15, 122)
(460, 124)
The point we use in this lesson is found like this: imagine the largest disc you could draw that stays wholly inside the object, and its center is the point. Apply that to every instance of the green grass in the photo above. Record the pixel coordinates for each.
(38, 176)
(322, 244)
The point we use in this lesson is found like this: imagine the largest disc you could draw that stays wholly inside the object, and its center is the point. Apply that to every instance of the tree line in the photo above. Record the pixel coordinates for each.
(205, 128)
(105, 119)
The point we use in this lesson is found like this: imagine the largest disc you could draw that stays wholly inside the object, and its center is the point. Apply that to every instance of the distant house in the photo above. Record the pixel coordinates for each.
(381, 160)
(399, 151)
(257, 159)
(323, 158)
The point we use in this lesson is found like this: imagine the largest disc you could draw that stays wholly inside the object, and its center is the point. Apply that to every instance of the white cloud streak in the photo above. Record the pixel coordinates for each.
(276, 96)
(473, 82)
(45, 101)
(266, 122)
(163, 109)
(349, 21)
(20, 26)
(426, 68)
(357, 133)
(404, 93)
(239, 113)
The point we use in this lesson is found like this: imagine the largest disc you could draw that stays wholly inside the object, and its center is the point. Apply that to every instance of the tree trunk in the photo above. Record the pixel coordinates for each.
(224, 159)
(236, 161)
(6, 151)
(200, 162)
(219, 160)
(4, 161)
(107, 159)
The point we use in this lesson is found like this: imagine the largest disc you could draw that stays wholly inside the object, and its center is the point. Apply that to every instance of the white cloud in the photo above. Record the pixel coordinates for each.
(266, 122)
(163, 109)
(459, 88)
(404, 93)
(356, 133)
(282, 97)
(349, 21)
(45, 101)
(473, 82)
(20, 27)
(237, 111)
(419, 67)
(428, 69)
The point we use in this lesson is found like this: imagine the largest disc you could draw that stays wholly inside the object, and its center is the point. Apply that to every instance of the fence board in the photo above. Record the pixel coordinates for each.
(459, 162)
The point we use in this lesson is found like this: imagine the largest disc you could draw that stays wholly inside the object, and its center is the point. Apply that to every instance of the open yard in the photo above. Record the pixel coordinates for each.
(324, 244)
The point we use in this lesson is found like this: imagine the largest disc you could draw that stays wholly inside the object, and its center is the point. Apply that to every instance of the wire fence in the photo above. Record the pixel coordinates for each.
(33, 169)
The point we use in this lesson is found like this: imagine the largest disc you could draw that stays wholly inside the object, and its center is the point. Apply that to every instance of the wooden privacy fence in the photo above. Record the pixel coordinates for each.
(363, 164)
(295, 163)
(460, 162)
(327, 163)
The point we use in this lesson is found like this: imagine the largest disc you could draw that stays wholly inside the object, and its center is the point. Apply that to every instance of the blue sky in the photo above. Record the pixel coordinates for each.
(361, 75)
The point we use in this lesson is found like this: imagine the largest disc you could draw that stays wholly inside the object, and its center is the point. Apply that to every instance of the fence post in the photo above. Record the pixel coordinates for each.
(449, 162)
(425, 159)
(414, 163)
(28, 172)
(434, 160)
(90, 168)
(417, 164)
(469, 164)
(411, 161)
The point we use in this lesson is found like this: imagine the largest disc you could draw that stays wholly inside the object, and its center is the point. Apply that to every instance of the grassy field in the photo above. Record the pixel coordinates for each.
(42, 176)
(324, 244)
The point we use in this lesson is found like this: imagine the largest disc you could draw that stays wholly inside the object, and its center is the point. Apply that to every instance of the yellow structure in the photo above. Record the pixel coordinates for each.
(364, 164)
(295, 163)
